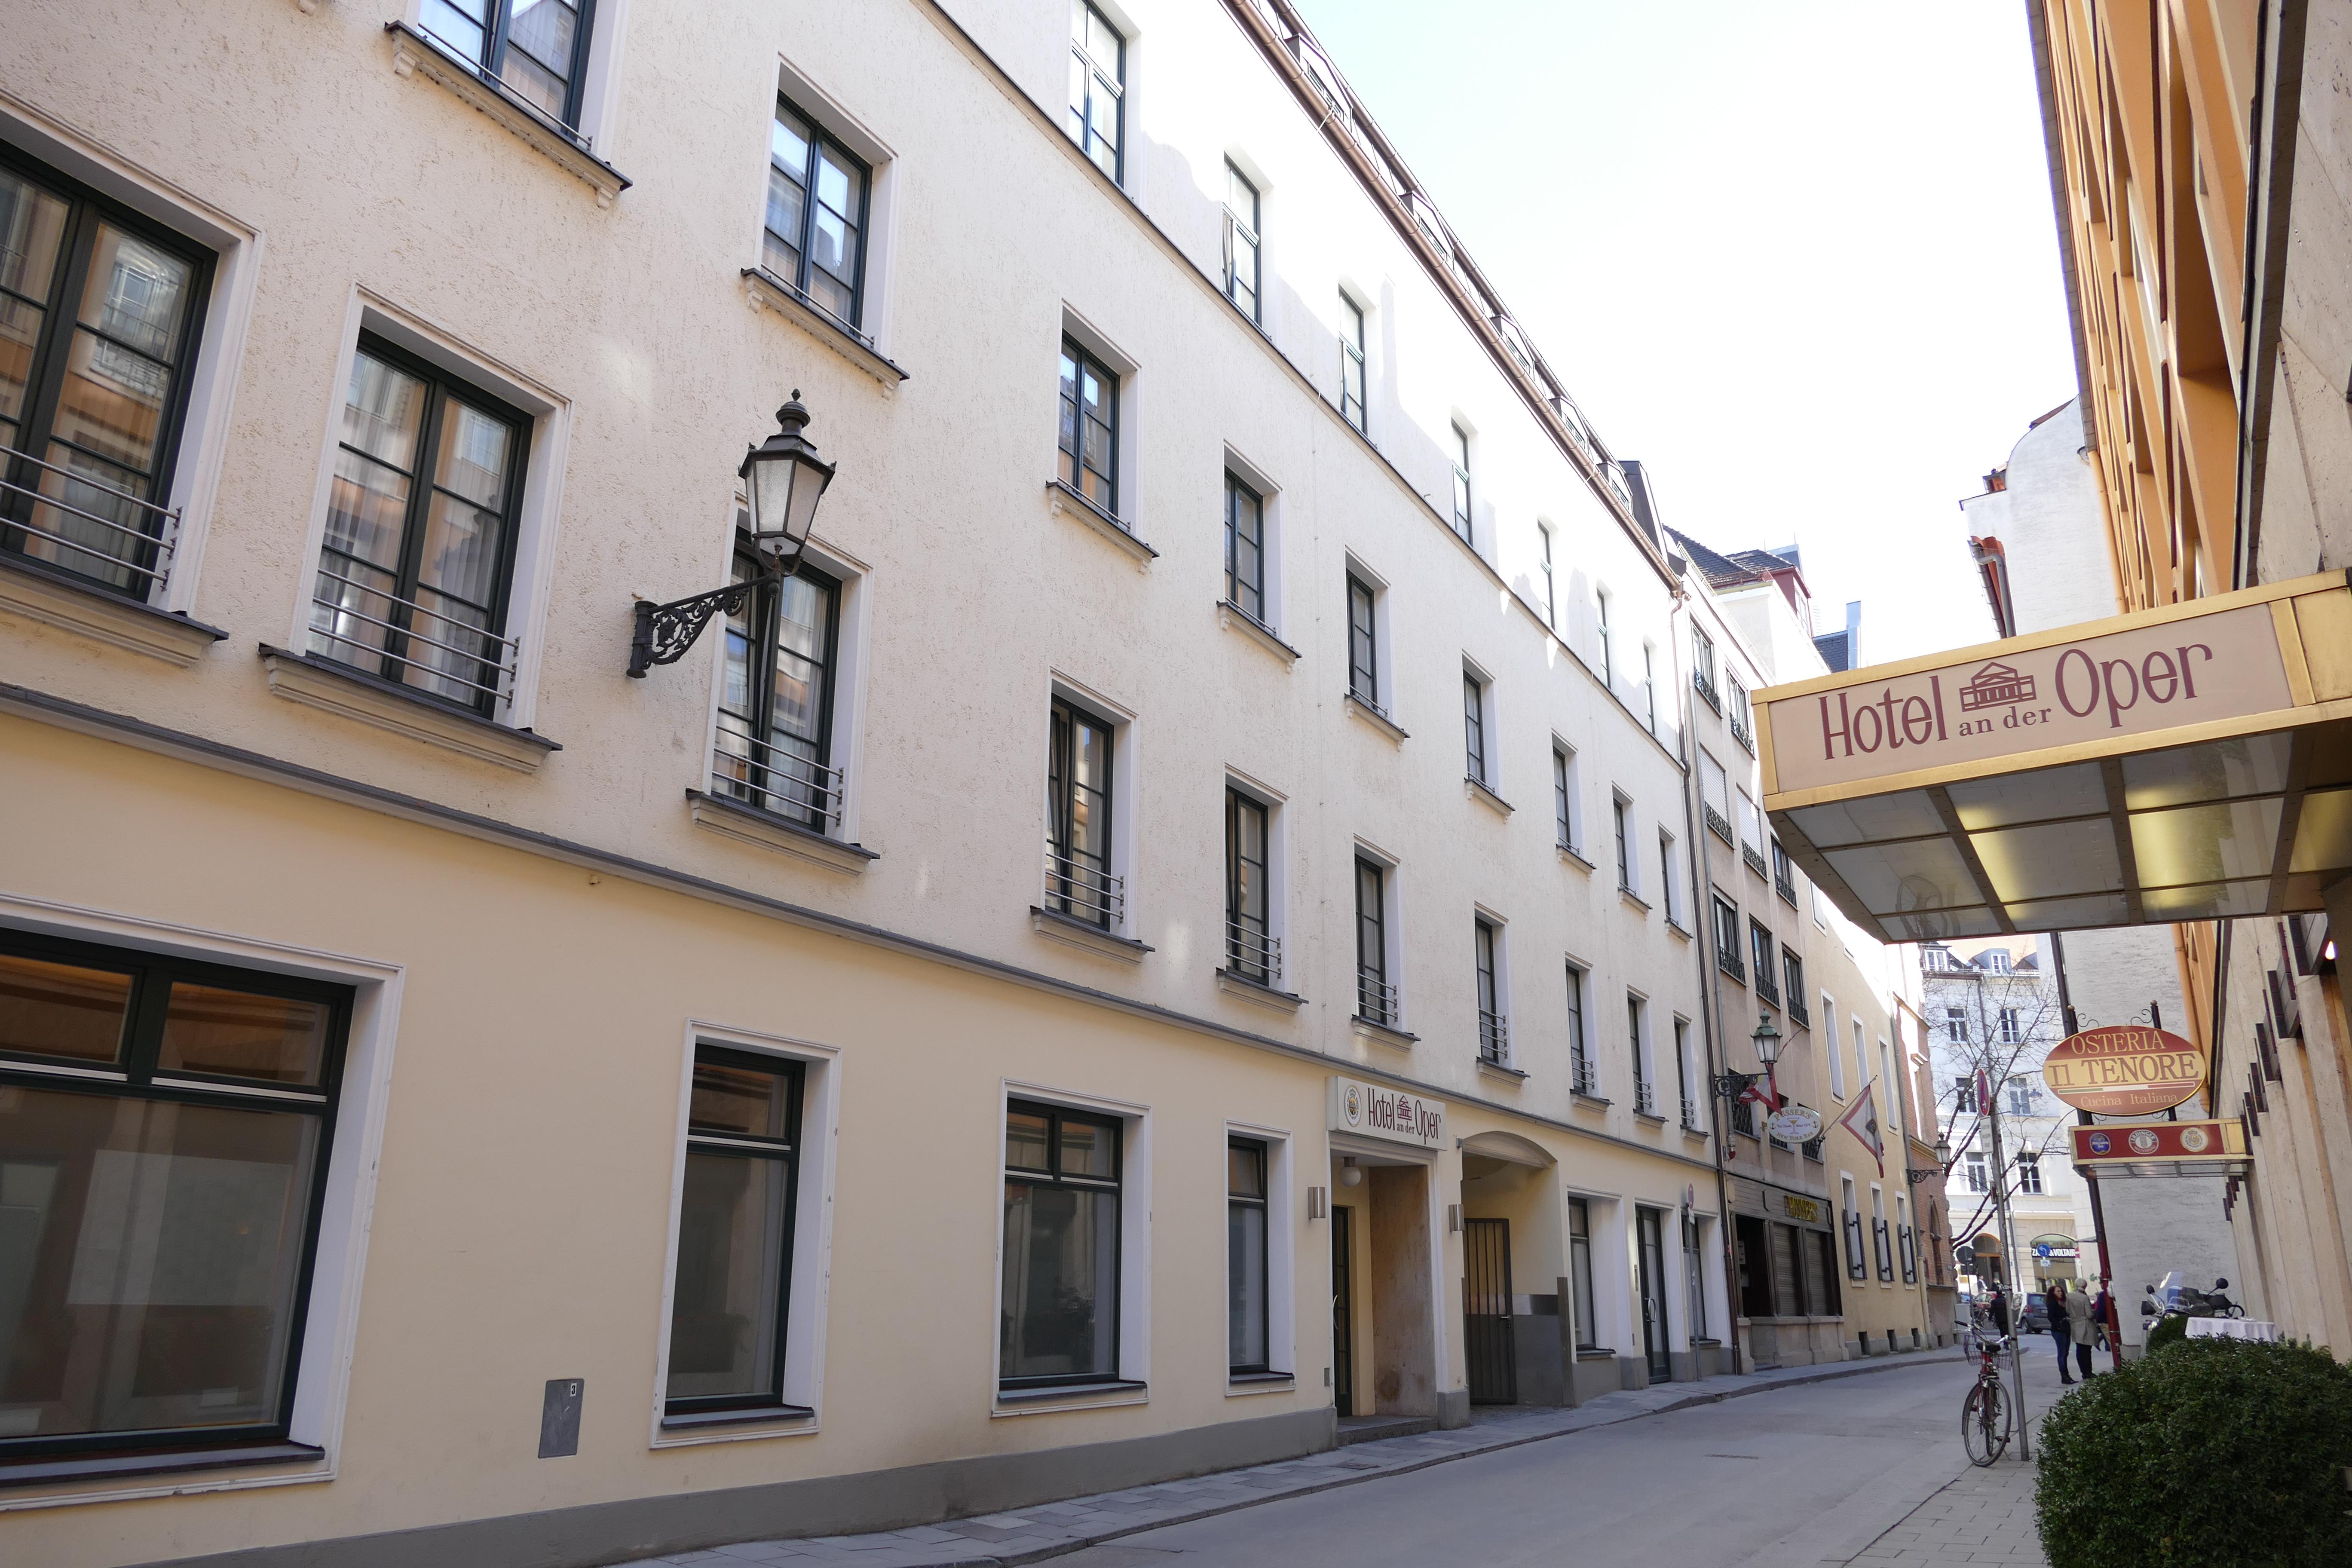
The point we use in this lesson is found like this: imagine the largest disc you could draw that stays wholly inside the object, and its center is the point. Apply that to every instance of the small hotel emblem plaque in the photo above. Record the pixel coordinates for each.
(1995, 686)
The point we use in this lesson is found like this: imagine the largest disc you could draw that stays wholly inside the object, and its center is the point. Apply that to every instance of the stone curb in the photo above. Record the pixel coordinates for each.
(1064, 1548)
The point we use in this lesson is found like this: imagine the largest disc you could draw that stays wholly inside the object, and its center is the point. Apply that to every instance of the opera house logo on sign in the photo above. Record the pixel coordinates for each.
(1995, 686)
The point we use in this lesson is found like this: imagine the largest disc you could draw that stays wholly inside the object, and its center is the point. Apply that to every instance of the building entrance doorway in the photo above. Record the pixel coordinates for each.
(1648, 1225)
(1343, 1310)
(1486, 1332)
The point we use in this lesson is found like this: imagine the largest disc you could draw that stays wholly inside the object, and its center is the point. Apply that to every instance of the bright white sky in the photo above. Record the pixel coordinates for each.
(1797, 256)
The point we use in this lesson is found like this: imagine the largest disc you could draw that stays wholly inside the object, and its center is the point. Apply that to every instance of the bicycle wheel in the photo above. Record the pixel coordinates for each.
(1984, 1424)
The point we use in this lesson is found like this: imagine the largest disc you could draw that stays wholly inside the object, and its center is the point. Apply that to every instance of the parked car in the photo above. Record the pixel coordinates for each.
(2036, 1320)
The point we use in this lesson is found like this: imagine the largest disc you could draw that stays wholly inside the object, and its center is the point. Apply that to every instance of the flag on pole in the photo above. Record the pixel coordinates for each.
(1862, 1121)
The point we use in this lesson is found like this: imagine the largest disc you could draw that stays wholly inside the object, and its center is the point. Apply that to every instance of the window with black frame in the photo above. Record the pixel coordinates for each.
(1250, 947)
(1580, 1272)
(537, 49)
(1060, 1305)
(1089, 439)
(1247, 1335)
(1759, 941)
(1493, 1029)
(817, 196)
(1078, 881)
(1097, 87)
(1245, 550)
(1563, 799)
(100, 317)
(1580, 1060)
(1351, 363)
(1242, 242)
(1473, 726)
(417, 563)
(1363, 644)
(729, 1300)
(776, 698)
(164, 1136)
(1376, 998)
(1461, 518)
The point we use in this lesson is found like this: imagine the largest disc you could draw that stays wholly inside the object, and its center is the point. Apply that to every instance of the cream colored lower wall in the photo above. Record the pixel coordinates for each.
(524, 1196)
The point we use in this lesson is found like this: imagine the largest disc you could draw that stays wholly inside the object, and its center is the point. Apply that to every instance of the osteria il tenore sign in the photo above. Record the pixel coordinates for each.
(2123, 1069)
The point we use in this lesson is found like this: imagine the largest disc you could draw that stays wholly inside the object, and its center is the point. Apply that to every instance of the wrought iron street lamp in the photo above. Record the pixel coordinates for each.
(784, 479)
(1767, 1041)
(1941, 1168)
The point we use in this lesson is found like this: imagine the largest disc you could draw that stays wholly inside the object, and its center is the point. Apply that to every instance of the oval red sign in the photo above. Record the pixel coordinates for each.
(2123, 1069)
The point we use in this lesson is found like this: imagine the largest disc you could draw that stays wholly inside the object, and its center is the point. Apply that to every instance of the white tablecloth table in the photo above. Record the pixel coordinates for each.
(2232, 1329)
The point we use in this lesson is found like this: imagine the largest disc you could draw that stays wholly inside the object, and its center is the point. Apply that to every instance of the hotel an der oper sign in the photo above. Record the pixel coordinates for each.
(2268, 658)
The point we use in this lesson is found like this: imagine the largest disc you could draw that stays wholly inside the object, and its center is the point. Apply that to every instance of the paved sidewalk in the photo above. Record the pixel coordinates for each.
(1983, 1516)
(1051, 1530)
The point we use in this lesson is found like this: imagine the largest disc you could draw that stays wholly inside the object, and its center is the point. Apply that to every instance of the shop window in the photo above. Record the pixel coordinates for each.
(1245, 1256)
(1059, 1308)
(164, 1129)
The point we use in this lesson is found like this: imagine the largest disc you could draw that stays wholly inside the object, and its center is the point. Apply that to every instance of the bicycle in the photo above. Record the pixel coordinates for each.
(1984, 1417)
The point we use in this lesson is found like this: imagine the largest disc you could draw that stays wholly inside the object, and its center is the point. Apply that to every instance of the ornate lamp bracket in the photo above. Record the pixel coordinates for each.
(665, 632)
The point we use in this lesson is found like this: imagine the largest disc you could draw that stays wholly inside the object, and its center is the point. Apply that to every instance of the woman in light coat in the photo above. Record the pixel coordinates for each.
(2079, 1324)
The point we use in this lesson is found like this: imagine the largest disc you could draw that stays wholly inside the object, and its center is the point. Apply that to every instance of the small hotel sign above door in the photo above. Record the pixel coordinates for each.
(2225, 666)
(1372, 1111)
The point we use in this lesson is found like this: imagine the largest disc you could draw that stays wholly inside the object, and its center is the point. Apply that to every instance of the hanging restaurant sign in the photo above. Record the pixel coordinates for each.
(2163, 1149)
(1794, 1124)
(2123, 1069)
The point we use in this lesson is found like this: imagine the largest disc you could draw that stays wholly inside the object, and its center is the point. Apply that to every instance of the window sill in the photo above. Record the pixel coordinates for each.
(1257, 991)
(1382, 1034)
(1233, 617)
(1649, 1117)
(1242, 1384)
(1595, 1352)
(1067, 502)
(414, 54)
(1510, 1075)
(769, 830)
(1570, 852)
(1681, 930)
(57, 599)
(1584, 1101)
(331, 687)
(1092, 939)
(1633, 897)
(766, 1414)
(1487, 797)
(1068, 1396)
(109, 1468)
(1376, 719)
(766, 292)
(1695, 1135)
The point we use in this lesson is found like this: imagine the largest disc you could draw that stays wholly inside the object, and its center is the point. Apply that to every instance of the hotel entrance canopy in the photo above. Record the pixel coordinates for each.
(2179, 763)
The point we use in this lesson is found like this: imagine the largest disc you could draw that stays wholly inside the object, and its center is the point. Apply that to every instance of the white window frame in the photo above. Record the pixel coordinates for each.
(809, 1284)
(538, 526)
(1134, 1255)
(1602, 636)
(1281, 1261)
(338, 1262)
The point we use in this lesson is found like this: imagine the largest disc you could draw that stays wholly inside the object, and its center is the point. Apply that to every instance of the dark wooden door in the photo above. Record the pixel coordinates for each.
(1486, 1311)
(1649, 1226)
(1343, 1311)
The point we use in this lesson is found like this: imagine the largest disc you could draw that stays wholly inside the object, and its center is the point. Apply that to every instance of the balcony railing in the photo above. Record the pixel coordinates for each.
(1645, 1099)
(1719, 824)
(1728, 961)
(1376, 998)
(1785, 885)
(773, 778)
(445, 656)
(1798, 1013)
(1494, 1038)
(1084, 892)
(66, 512)
(1706, 689)
(1754, 859)
(1743, 1117)
(1812, 1150)
(1581, 1078)
(1253, 952)
(1766, 986)
(1741, 731)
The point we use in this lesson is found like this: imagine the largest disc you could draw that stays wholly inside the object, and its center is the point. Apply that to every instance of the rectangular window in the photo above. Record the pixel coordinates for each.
(1352, 365)
(1669, 877)
(1830, 1043)
(1551, 602)
(1650, 685)
(1462, 484)
(1979, 1179)
(817, 192)
(776, 696)
(735, 1233)
(1702, 664)
(2020, 1096)
(1620, 813)
(1493, 1029)
(415, 573)
(1784, 875)
(1964, 1094)
(1245, 550)
(1821, 1280)
(1881, 1240)
(1683, 1073)
(1956, 1025)
(1793, 984)
(98, 325)
(1060, 1306)
(1376, 999)
(1759, 943)
(2010, 1034)
(1473, 726)
(1078, 882)
(2029, 1174)
(1727, 939)
(1850, 1216)
(1242, 242)
(1089, 439)
(1580, 1271)
(1098, 88)
(1246, 1256)
(1645, 1097)
(1608, 655)
(1860, 1057)
(157, 1205)
(1581, 1078)
(537, 49)
(1363, 645)
(1735, 702)
(1564, 797)
(1251, 950)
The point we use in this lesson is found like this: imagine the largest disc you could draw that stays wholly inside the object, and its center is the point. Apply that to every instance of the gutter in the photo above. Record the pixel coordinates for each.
(2276, 116)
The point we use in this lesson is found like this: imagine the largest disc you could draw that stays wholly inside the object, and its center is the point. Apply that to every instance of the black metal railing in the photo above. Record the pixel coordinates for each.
(1754, 859)
(1730, 961)
(1376, 998)
(1766, 986)
(1741, 733)
(1798, 1012)
(1743, 1117)
(1811, 1149)
(1706, 689)
(1494, 1038)
(1718, 824)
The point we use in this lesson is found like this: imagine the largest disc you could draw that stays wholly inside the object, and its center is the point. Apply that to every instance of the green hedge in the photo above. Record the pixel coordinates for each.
(2215, 1454)
(2167, 1331)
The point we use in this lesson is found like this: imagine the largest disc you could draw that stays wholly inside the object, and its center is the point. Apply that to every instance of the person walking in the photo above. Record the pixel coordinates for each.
(2103, 1321)
(2078, 1321)
(2061, 1328)
(2000, 1308)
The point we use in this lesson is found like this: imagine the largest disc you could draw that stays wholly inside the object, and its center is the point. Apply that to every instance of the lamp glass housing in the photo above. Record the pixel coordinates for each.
(1767, 1039)
(784, 479)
